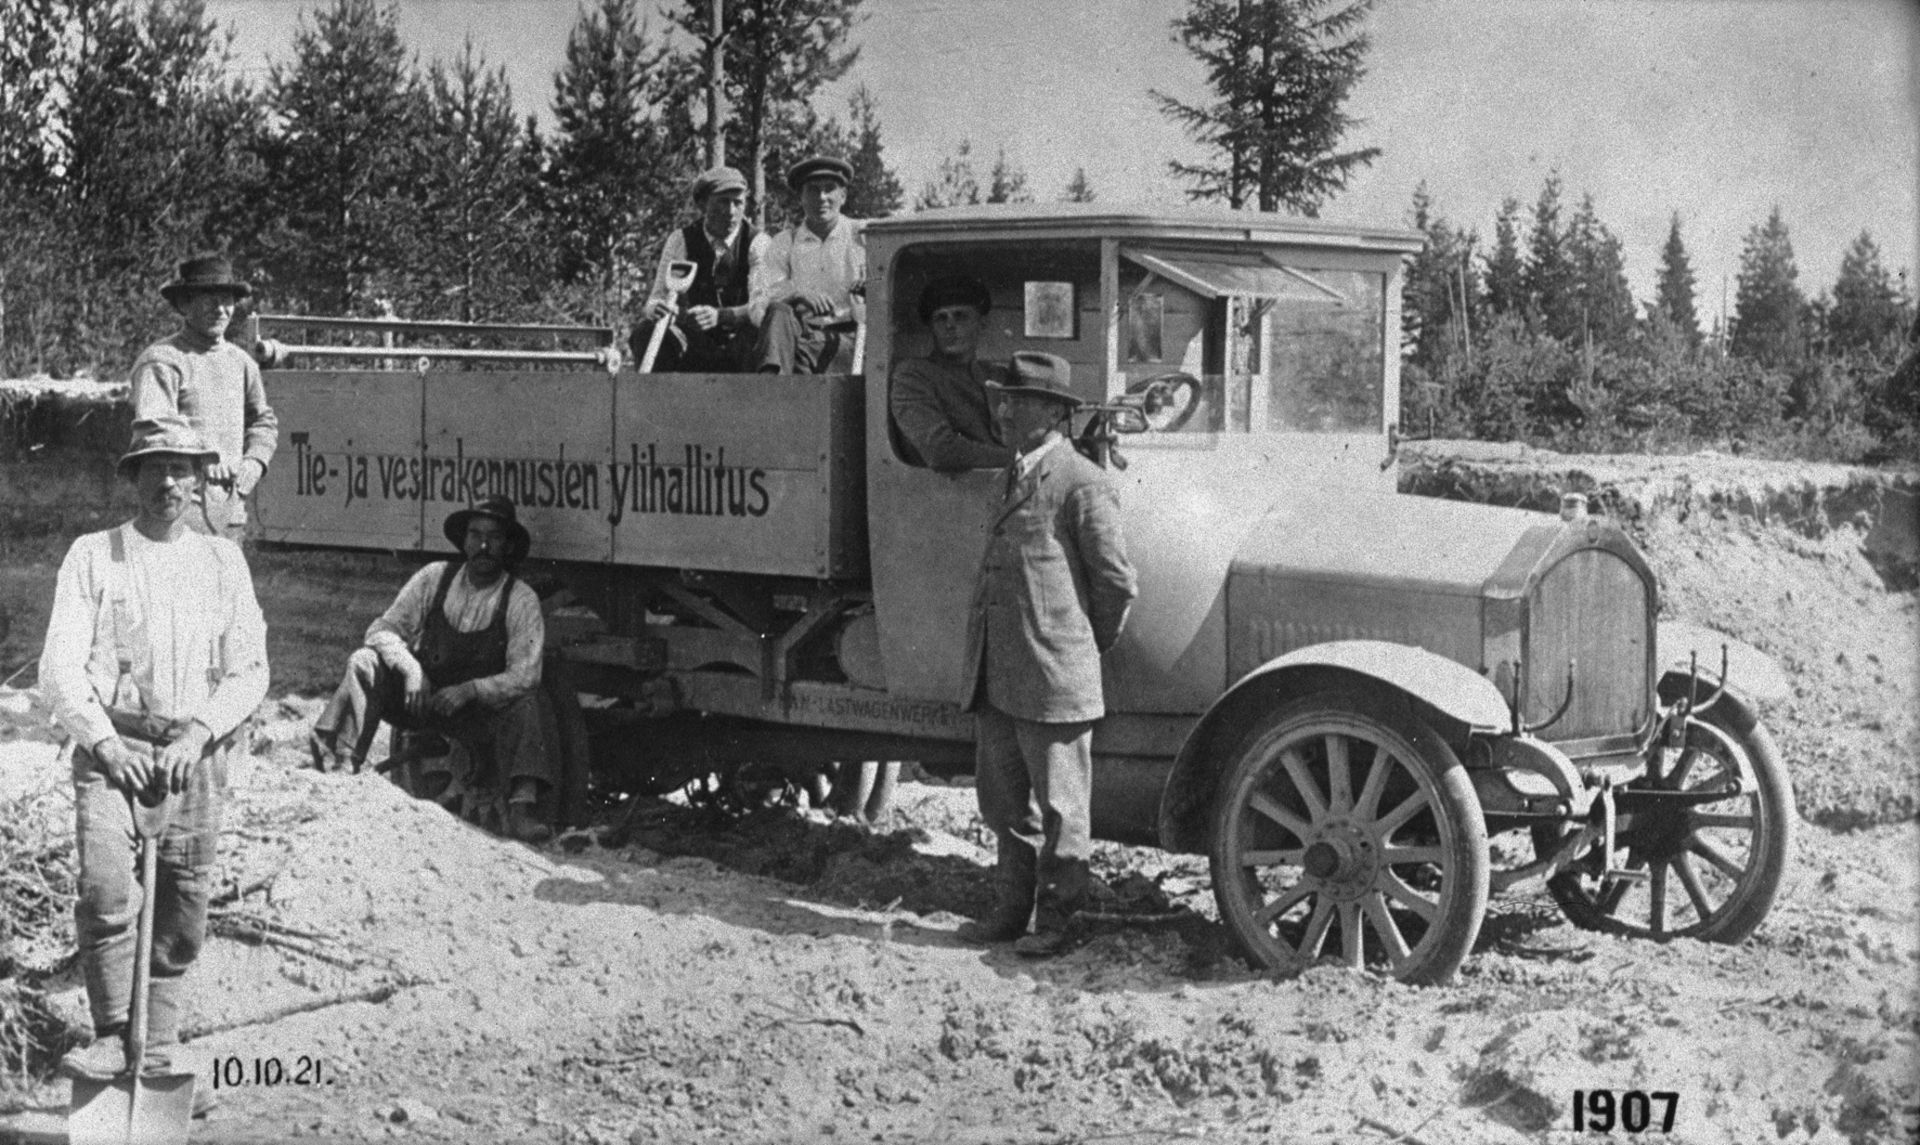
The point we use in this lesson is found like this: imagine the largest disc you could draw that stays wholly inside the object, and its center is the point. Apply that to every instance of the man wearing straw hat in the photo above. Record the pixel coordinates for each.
(215, 386)
(713, 328)
(1053, 592)
(156, 654)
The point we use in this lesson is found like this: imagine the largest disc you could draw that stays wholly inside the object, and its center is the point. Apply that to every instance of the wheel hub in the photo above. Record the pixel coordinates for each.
(1343, 858)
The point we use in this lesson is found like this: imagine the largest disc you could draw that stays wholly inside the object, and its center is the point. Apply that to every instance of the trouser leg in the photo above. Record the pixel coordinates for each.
(781, 332)
(368, 694)
(1007, 806)
(1059, 759)
(108, 904)
(184, 884)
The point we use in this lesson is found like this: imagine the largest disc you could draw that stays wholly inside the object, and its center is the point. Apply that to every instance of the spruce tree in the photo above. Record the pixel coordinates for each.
(1505, 268)
(1673, 294)
(1079, 190)
(1867, 312)
(1281, 72)
(1548, 278)
(1441, 301)
(955, 185)
(1769, 312)
(1602, 300)
(875, 191)
(1007, 183)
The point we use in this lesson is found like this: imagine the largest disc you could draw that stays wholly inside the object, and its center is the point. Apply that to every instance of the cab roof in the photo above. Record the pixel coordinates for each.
(1123, 221)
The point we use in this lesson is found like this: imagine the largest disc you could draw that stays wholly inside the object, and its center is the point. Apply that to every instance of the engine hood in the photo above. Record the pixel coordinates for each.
(1394, 541)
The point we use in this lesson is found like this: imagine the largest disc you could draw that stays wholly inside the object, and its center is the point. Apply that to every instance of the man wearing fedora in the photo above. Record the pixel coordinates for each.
(458, 654)
(939, 402)
(1052, 595)
(215, 386)
(806, 300)
(156, 654)
(713, 329)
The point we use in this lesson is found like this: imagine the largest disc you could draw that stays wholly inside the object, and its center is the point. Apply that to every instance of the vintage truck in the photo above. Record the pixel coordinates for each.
(1338, 693)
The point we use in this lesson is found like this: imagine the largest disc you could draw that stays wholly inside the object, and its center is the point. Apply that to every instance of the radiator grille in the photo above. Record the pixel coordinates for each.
(1592, 608)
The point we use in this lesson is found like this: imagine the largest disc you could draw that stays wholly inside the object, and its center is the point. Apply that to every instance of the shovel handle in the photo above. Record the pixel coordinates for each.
(143, 956)
(680, 275)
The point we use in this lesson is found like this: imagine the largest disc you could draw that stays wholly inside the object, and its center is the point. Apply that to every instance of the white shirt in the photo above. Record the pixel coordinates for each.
(799, 261)
(191, 634)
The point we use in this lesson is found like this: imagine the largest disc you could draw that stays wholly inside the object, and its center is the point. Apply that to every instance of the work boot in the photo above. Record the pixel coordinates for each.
(102, 1059)
(1050, 936)
(525, 824)
(1007, 922)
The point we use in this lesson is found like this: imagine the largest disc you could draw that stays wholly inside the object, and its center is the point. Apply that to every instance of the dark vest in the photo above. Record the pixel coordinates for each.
(453, 657)
(707, 289)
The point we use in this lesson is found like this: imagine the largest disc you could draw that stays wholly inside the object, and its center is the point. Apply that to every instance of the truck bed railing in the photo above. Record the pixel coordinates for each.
(273, 353)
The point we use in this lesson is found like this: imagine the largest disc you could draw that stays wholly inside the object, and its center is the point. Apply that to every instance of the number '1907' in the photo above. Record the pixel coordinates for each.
(1600, 1110)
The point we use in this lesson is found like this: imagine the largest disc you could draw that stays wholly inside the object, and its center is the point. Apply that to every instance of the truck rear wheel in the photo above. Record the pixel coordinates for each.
(1709, 870)
(1346, 828)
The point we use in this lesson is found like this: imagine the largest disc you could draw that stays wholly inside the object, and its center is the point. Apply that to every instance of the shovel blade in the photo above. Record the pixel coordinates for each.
(110, 1113)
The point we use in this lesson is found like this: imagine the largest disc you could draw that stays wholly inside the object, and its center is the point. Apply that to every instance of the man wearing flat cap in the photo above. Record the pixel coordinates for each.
(939, 403)
(712, 323)
(1052, 595)
(156, 655)
(198, 375)
(805, 303)
(457, 654)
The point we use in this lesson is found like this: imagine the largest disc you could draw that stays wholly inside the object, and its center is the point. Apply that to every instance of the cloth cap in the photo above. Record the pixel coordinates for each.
(1041, 376)
(500, 509)
(170, 435)
(204, 273)
(954, 290)
(717, 179)
(817, 165)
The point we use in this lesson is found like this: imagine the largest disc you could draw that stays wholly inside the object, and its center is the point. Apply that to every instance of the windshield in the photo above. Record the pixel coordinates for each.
(1247, 341)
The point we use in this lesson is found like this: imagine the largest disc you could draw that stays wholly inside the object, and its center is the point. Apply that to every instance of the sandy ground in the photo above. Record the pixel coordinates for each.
(783, 977)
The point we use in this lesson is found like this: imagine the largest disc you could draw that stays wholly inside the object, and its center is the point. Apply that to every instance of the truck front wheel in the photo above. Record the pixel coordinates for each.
(1345, 828)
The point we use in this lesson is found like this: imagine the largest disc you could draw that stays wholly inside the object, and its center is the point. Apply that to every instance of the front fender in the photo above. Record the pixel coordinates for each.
(1750, 672)
(1446, 685)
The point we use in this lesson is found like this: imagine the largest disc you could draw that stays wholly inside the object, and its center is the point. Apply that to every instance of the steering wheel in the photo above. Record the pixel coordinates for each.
(1169, 400)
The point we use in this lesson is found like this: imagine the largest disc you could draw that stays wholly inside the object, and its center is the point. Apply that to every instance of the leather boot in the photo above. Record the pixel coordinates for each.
(102, 1059)
(1005, 923)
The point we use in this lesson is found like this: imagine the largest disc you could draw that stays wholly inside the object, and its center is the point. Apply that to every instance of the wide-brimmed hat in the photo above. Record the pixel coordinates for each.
(500, 509)
(157, 435)
(1041, 376)
(954, 290)
(204, 273)
(717, 179)
(814, 166)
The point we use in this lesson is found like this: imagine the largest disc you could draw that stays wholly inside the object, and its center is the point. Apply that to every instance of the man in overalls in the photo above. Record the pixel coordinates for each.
(458, 654)
(156, 654)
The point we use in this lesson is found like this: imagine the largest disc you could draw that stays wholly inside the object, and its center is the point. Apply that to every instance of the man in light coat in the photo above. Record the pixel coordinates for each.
(1052, 595)
(156, 654)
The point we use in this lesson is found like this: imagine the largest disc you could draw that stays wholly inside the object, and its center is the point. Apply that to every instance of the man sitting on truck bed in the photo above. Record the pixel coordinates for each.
(939, 402)
(804, 302)
(458, 654)
(713, 329)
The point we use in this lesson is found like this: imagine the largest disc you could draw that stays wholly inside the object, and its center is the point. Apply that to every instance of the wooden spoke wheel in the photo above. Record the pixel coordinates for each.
(1345, 828)
(1700, 866)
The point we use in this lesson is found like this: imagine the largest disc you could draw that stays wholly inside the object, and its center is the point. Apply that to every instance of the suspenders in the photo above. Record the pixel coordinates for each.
(116, 601)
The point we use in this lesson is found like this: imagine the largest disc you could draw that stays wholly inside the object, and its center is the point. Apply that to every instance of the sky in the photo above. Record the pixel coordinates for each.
(1718, 110)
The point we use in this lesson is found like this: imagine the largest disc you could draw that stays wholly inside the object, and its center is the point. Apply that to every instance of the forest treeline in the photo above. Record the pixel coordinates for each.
(352, 179)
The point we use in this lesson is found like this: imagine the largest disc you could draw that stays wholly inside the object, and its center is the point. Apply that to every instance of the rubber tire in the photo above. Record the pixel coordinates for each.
(1742, 912)
(1425, 760)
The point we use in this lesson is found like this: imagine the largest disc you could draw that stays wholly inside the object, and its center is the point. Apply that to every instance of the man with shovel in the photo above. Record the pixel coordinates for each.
(155, 657)
(701, 323)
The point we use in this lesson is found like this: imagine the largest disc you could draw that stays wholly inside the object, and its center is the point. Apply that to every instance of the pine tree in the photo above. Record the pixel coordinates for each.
(343, 165)
(1673, 297)
(1079, 190)
(1281, 72)
(480, 251)
(1505, 268)
(613, 188)
(1549, 277)
(875, 191)
(1769, 312)
(1867, 312)
(778, 54)
(1602, 300)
